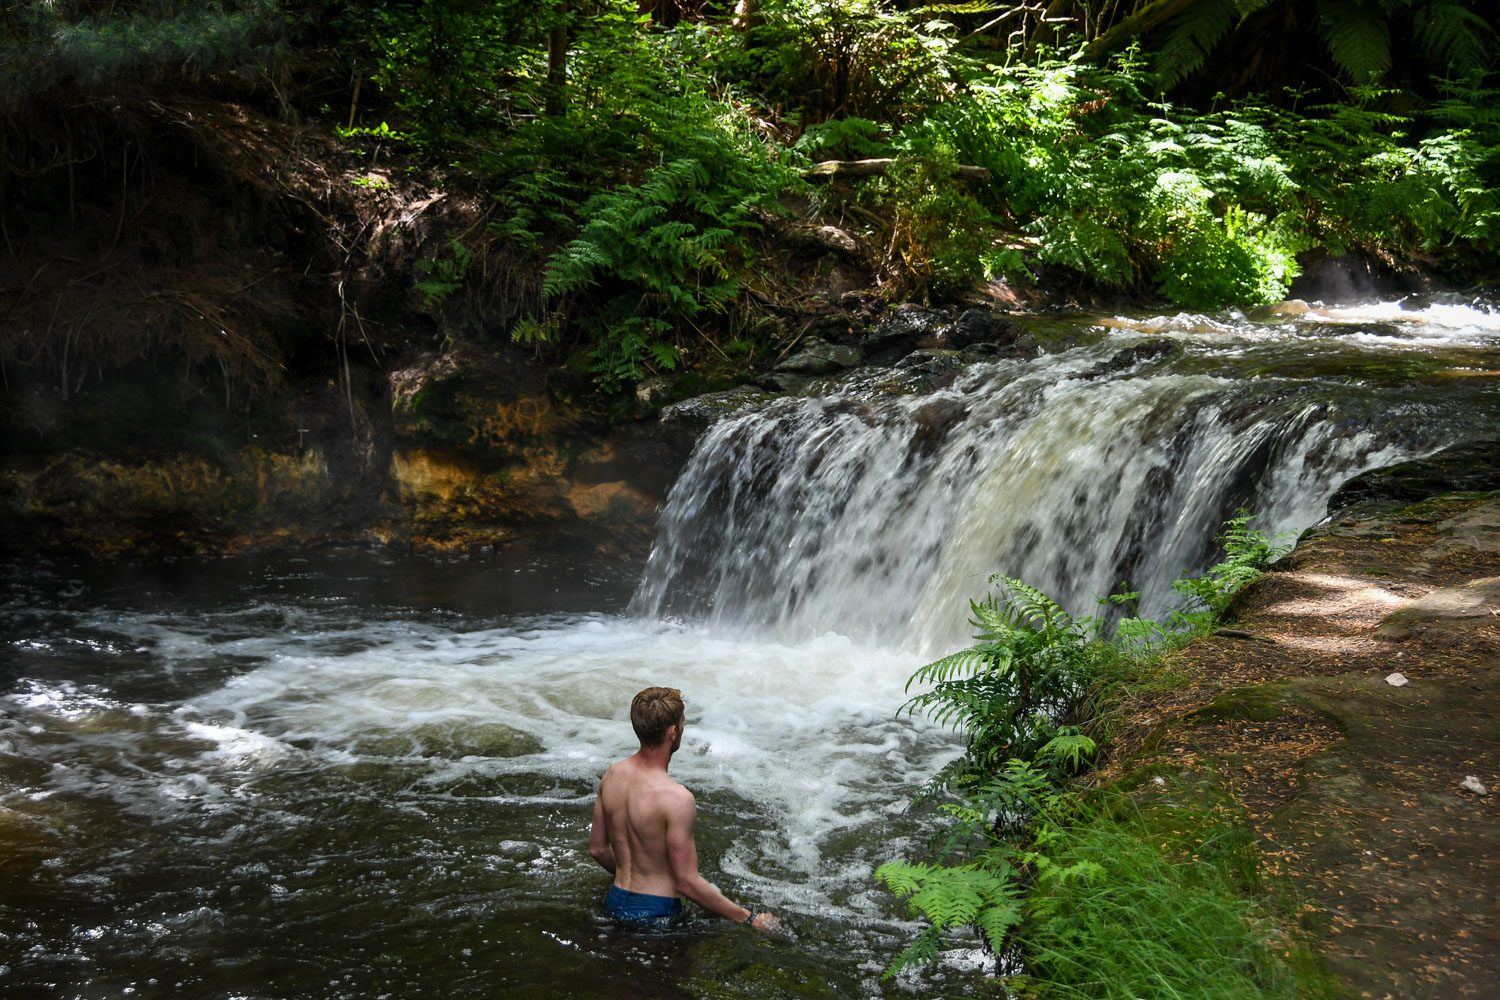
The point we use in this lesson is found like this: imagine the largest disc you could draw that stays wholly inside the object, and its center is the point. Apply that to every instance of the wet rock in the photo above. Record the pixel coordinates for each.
(1143, 353)
(902, 330)
(933, 421)
(1469, 468)
(653, 392)
(468, 398)
(834, 327)
(184, 504)
(783, 382)
(929, 370)
(688, 419)
(817, 356)
(1289, 309)
(982, 326)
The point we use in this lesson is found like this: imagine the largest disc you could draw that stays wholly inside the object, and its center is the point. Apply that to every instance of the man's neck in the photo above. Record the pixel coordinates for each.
(657, 757)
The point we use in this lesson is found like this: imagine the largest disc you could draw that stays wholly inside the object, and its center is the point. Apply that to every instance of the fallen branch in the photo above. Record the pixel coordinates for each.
(878, 168)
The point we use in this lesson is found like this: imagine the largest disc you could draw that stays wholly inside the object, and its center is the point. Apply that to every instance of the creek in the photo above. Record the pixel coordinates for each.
(349, 775)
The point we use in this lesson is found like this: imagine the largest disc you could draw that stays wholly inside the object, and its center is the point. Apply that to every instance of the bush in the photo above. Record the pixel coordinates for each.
(1094, 898)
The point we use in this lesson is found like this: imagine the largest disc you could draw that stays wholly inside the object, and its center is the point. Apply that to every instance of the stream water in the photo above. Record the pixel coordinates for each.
(350, 776)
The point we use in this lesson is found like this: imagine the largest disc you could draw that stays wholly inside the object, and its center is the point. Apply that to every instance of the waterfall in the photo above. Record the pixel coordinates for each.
(878, 514)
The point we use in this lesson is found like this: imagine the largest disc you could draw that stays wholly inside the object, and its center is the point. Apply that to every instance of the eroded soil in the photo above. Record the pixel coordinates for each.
(1353, 785)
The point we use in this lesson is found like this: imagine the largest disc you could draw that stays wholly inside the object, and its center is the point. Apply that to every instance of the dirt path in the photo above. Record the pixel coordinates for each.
(1354, 785)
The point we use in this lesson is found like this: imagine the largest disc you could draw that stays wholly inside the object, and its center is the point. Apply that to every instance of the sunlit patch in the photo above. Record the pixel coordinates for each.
(65, 700)
(236, 746)
(1331, 645)
(1341, 595)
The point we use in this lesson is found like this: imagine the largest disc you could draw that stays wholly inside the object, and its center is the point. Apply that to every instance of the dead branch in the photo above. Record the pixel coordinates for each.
(878, 168)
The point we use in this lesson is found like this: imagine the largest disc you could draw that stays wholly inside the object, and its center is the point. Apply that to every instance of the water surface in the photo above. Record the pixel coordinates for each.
(349, 776)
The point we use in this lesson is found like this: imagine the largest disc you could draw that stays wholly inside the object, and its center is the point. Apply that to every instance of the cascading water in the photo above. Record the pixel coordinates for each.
(360, 779)
(872, 512)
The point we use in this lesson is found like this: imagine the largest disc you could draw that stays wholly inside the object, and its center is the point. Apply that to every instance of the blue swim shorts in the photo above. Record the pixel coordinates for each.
(641, 908)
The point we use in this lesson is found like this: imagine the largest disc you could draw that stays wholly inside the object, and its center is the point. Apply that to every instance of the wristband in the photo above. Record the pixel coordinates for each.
(751, 918)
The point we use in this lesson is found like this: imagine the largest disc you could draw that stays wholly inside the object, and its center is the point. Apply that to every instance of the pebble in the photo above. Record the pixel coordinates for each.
(1397, 679)
(1473, 784)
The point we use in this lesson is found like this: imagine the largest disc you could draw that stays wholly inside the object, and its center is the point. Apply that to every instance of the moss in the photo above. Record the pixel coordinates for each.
(1253, 704)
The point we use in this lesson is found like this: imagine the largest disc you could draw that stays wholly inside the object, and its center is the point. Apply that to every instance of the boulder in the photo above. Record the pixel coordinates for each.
(1468, 468)
(816, 356)
(902, 330)
(982, 326)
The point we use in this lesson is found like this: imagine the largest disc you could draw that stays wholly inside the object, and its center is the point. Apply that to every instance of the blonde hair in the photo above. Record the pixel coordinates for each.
(652, 711)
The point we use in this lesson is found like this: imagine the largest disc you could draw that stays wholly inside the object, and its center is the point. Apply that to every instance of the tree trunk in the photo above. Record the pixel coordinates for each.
(1151, 16)
(557, 65)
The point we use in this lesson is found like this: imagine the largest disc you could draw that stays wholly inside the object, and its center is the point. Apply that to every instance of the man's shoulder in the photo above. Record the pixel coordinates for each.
(676, 797)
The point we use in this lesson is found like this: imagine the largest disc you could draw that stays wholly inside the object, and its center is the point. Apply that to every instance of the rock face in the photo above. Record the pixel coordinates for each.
(190, 504)
(472, 454)
(463, 449)
(1471, 468)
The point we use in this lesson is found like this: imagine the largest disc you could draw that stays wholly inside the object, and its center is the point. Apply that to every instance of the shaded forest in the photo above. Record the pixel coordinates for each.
(638, 189)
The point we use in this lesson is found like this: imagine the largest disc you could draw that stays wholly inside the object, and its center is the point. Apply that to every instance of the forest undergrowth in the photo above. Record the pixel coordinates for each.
(641, 164)
(1110, 891)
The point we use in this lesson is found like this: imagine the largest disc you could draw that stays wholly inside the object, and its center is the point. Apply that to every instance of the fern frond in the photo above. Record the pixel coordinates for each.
(1030, 604)
(964, 663)
(998, 920)
(1191, 37)
(1452, 36)
(1358, 37)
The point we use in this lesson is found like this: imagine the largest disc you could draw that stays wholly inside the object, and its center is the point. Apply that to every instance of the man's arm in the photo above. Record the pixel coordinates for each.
(599, 845)
(682, 855)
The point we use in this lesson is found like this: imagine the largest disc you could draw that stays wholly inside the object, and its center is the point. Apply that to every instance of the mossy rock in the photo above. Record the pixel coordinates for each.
(1253, 704)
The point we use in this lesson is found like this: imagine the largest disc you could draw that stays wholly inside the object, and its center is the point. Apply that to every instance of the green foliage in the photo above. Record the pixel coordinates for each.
(452, 67)
(937, 238)
(826, 59)
(1094, 900)
(1247, 553)
(1195, 33)
(640, 206)
(1448, 35)
(1018, 688)
(655, 187)
(1134, 905)
(952, 897)
(47, 44)
(444, 274)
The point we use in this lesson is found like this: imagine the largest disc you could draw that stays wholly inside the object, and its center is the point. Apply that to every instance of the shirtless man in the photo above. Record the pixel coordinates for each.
(643, 826)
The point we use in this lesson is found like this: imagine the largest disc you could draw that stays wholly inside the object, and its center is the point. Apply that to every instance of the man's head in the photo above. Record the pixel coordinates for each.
(653, 711)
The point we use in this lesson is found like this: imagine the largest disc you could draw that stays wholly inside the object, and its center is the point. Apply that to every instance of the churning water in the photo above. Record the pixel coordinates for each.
(362, 778)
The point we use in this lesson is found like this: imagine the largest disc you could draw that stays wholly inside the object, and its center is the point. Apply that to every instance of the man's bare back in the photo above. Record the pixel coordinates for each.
(643, 819)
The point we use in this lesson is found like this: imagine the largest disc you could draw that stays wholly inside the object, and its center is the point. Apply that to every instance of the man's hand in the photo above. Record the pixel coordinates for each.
(766, 923)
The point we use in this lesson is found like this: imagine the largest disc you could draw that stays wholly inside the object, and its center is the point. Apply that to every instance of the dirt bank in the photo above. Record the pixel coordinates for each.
(1354, 786)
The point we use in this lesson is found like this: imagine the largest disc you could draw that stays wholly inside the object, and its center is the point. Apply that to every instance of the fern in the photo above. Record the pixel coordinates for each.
(1247, 553)
(1190, 38)
(1453, 37)
(1358, 38)
(950, 898)
(1009, 693)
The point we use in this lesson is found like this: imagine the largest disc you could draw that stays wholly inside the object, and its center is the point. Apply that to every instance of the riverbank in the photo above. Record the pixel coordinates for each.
(1358, 789)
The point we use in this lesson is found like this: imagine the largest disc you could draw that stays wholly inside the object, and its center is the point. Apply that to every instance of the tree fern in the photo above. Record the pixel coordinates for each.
(1358, 36)
(1191, 36)
(1453, 37)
